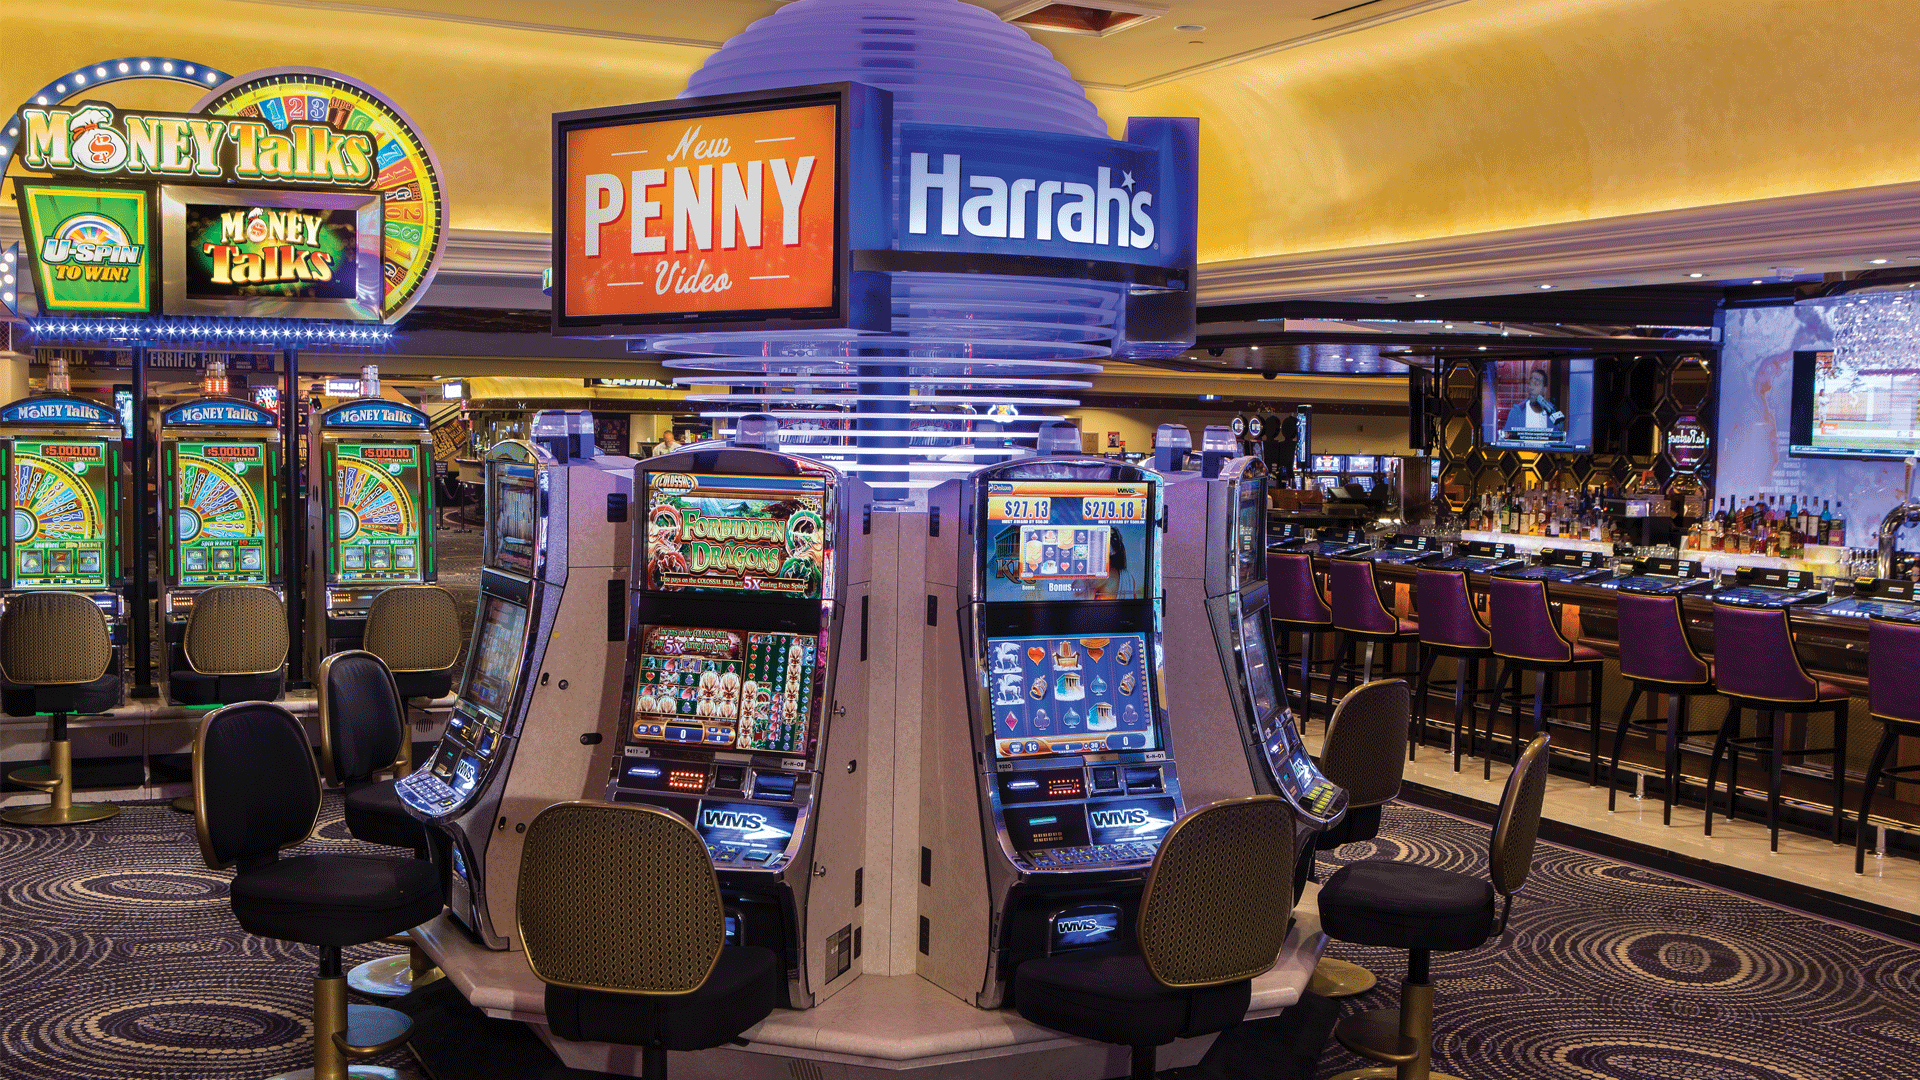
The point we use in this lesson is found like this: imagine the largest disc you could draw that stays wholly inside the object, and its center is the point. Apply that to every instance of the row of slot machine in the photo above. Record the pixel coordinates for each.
(222, 504)
(694, 633)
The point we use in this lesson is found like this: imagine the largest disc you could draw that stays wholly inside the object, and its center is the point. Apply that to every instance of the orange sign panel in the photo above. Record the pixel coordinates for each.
(681, 216)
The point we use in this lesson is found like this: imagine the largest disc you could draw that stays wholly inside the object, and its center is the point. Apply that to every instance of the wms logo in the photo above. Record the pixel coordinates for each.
(1136, 818)
(748, 826)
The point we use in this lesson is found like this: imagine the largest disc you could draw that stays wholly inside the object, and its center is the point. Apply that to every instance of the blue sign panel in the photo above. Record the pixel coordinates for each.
(57, 410)
(1085, 926)
(988, 191)
(216, 414)
(1132, 821)
(754, 833)
(375, 414)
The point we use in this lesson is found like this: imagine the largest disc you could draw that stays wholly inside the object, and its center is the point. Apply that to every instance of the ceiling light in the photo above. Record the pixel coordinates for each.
(1449, 326)
(1483, 348)
(1546, 286)
(1877, 262)
(1419, 296)
(1696, 273)
(1189, 28)
(1756, 281)
(1256, 348)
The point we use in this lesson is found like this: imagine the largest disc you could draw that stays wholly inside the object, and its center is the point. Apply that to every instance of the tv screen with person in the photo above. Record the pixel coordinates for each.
(1542, 404)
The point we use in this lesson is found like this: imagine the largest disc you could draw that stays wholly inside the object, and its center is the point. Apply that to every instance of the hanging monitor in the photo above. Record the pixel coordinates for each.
(1543, 405)
(1854, 406)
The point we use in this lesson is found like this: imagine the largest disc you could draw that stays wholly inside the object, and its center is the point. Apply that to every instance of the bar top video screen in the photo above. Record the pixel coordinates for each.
(1066, 540)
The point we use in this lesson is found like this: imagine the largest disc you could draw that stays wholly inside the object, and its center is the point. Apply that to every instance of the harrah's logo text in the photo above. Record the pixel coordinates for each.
(1102, 213)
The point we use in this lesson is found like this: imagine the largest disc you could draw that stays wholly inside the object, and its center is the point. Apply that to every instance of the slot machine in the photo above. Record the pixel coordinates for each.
(369, 515)
(1232, 730)
(533, 722)
(744, 680)
(220, 503)
(1044, 799)
(64, 530)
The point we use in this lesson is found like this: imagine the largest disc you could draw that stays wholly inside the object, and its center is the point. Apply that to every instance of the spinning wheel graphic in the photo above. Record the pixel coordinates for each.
(371, 499)
(215, 503)
(51, 503)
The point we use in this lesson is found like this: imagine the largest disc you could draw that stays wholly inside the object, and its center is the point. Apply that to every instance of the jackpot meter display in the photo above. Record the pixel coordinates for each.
(737, 534)
(62, 494)
(376, 512)
(1066, 540)
(219, 491)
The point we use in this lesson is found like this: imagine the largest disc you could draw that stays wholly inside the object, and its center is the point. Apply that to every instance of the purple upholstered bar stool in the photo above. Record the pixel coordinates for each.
(1893, 698)
(1361, 618)
(1527, 637)
(1449, 626)
(1296, 606)
(1657, 658)
(1756, 667)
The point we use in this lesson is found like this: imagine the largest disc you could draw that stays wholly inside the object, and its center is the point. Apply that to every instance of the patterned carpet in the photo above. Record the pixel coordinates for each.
(1612, 971)
(120, 960)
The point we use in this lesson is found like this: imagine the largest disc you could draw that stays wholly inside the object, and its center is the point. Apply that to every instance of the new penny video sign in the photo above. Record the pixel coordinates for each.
(1066, 540)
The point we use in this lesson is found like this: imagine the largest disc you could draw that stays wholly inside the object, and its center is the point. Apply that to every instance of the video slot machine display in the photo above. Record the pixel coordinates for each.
(1404, 549)
(377, 526)
(1769, 587)
(1056, 695)
(1250, 522)
(737, 535)
(487, 690)
(512, 544)
(1480, 557)
(1066, 540)
(1292, 766)
(1565, 566)
(63, 506)
(221, 497)
(1662, 577)
(1877, 597)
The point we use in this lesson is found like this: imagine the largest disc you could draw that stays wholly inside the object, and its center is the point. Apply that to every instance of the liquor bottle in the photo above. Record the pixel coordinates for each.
(1826, 522)
(1840, 526)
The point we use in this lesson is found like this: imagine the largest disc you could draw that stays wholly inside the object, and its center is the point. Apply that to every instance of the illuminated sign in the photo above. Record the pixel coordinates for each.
(285, 254)
(715, 210)
(93, 138)
(763, 534)
(216, 413)
(375, 414)
(91, 247)
(56, 411)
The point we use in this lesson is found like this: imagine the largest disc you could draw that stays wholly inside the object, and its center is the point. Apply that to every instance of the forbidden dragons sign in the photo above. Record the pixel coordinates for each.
(714, 211)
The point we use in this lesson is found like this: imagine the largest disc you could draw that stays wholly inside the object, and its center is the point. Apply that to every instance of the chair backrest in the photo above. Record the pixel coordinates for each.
(1366, 746)
(1753, 656)
(1893, 670)
(620, 899)
(1218, 897)
(414, 628)
(1356, 600)
(363, 723)
(1292, 594)
(236, 630)
(1510, 856)
(54, 639)
(256, 791)
(1523, 625)
(1447, 615)
(1653, 642)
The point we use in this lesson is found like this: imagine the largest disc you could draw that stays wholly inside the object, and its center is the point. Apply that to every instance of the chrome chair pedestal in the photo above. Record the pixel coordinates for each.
(1335, 978)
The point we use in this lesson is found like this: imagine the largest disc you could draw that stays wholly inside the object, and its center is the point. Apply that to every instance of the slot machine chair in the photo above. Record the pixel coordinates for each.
(1216, 909)
(1763, 673)
(1893, 698)
(415, 629)
(1362, 619)
(1297, 606)
(1361, 754)
(1424, 909)
(1657, 658)
(234, 649)
(257, 794)
(621, 916)
(363, 731)
(1527, 637)
(55, 653)
(1450, 626)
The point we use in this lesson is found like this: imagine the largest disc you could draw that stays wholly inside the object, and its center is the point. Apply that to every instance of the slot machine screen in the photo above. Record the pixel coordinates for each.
(1329, 463)
(515, 498)
(376, 512)
(1358, 464)
(765, 535)
(726, 689)
(1250, 528)
(221, 503)
(1066, 540)
(1058, 695)
(1259, 659)
(61, 505)
(494, 670)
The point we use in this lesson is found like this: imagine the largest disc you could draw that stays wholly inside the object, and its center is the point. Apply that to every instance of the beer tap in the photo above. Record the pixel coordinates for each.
(1907, 513)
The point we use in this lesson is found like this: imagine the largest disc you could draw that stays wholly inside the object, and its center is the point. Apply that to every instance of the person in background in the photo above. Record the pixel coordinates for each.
(667, 444)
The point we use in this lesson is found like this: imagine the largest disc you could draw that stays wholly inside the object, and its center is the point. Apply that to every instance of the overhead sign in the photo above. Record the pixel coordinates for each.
(92, 247)
(375, 414)
(57, 411)
(709, 211)
(216, 414)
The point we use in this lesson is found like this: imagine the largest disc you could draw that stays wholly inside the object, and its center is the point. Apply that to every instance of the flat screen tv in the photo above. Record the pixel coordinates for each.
(1542, 405)
(1854, 406)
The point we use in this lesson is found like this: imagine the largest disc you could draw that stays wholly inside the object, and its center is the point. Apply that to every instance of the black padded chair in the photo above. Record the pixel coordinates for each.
(363, 732)
(620, 915)
(234, 649)
(415, 629)
(56, 654)
(1361, 754)
(258, 794)
(1424, 909)
(1216, 910)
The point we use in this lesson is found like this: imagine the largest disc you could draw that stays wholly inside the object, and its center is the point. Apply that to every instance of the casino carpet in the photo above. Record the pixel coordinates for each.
(119, 958)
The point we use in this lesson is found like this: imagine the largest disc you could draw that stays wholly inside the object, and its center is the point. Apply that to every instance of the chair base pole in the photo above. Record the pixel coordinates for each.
(1402, 1039)
(58, 782)
(184, 804)
(1333, 978)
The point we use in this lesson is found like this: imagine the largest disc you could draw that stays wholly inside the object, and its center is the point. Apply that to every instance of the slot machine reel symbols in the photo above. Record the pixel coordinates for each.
(1006, 657)
(1041, 721)
(1130, 718)
(1070, 722)
(1065, 657)
(1126, 684)
(1008, 692)
(1125, 655)
(1069, 687)
(1102, 718)
(1039, 688)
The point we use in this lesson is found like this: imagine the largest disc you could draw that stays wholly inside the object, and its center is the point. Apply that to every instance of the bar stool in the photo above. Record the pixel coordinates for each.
(1657, 658)
(1763, 673)
(1296, 606)
(1450, 626)
(1527, 637)
(55, 645)
(1361, 618)
(1893, 698)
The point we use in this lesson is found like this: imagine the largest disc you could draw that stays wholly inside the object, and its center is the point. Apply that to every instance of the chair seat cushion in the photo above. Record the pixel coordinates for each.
(1115, 999)
(188, 687)
(374, 814)
(1403, 905)
(743, 989)
(98, 696)
(1410, 626)
(335, 899)
(1587, 654)
(426, 684)
(1357, 824)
